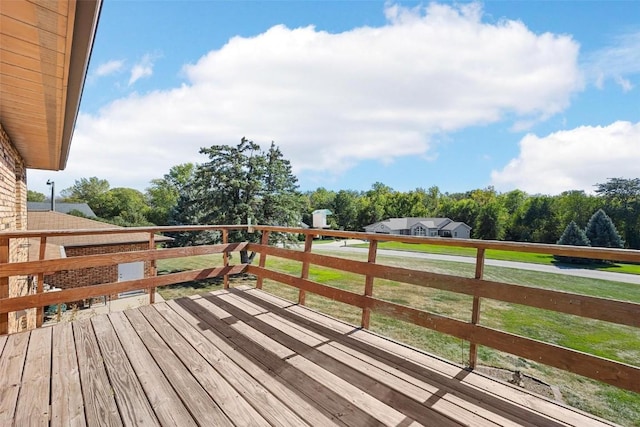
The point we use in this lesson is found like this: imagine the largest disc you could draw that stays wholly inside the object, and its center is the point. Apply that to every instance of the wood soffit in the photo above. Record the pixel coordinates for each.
(45, 46)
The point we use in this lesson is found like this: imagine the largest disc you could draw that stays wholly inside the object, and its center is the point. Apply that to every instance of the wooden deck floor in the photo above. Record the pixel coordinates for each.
(244, 357)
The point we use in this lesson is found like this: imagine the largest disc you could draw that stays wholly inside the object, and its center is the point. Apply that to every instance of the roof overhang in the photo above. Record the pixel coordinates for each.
(44, 55)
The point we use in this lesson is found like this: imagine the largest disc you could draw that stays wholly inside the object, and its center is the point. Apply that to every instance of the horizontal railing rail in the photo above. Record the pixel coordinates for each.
(42, 266)
(479, 289)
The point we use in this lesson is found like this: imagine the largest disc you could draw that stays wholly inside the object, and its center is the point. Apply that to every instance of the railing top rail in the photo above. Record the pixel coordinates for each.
(628, 255)
(114, 230)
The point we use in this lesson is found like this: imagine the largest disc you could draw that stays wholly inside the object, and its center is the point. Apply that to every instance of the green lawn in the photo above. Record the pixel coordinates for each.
(532, 258)
(599, 338)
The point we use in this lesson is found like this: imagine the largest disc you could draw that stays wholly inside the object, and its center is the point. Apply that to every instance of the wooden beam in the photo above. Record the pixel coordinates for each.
(153, 272)
(317, 288)
(40, 288)
(4, 285)
(88, 261)
(304, 273)
(368, 283)
(225, 258)
(75, 294)
(475, 311)
(264, 241)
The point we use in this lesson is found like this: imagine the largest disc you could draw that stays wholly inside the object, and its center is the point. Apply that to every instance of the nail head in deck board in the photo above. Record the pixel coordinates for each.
(204, 409)
(11, 366)
(99, 402)
(67, 407)
(260, 373)
(132, 402)
(33, 400)
(231, 402)
(162, 397)
(311, 390)
(272, 409)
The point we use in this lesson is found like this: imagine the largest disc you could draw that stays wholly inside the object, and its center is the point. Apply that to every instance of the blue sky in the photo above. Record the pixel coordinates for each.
(538, 95)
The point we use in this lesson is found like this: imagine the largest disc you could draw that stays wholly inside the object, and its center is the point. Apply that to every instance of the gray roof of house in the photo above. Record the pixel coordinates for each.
(406, 223)
(453, 225)
(61, 207)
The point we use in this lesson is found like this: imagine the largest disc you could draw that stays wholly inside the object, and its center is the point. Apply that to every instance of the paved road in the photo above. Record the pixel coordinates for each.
(569, 271)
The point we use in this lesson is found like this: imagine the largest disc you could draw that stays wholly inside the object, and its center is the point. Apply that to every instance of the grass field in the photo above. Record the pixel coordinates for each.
(499, 255)
(600, 338)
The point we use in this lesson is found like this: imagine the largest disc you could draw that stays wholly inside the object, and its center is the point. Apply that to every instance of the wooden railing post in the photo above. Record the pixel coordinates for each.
(153, 268)
(368, 283)
(475, 313)
(264, 240)
(40, 284)
(308, 243)
(4, 285)
(225, 258)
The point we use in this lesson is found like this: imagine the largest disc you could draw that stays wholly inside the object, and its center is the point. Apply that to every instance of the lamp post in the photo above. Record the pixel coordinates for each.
(53, 192)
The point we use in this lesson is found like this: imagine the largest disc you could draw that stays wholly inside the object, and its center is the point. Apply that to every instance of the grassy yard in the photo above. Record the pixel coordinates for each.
(498, 255)
(599, 338)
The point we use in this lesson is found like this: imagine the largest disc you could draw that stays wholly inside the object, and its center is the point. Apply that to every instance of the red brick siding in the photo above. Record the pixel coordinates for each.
(13, 216)
(94, 276)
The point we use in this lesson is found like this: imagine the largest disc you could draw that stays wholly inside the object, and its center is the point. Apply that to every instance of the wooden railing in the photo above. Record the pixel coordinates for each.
(619, 312)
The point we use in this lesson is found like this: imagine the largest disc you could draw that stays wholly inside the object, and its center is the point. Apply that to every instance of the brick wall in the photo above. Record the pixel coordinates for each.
(94, 276)
(13, 216)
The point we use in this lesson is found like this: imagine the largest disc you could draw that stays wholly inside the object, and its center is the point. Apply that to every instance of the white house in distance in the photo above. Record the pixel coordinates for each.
(320, 218)
(425, 227)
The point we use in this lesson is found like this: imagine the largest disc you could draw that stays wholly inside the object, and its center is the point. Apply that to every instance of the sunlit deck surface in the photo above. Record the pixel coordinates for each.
(244, 357)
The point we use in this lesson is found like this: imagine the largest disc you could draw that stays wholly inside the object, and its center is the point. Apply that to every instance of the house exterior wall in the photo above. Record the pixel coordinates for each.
(13, 217)
(461, 232)
(93, 276)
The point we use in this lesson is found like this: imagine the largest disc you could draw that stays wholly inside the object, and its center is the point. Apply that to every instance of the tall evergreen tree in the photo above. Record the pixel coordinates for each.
(602, 232)
(573, 236)
(242, 184)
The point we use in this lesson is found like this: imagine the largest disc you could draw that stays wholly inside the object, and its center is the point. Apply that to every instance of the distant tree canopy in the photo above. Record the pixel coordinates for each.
(243, 181)
(34, 196)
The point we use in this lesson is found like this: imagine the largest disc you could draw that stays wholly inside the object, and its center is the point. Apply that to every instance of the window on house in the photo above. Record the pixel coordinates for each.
(419, 231)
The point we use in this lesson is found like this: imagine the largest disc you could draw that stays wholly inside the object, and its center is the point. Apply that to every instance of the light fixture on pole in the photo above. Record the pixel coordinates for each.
(53, 192)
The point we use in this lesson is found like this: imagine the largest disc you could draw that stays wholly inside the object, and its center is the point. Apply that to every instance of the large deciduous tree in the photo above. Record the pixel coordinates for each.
(622, 202)
(163, 194)
(88, 190)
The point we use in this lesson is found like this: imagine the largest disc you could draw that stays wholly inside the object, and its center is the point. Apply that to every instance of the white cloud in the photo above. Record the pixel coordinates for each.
(109, 67)
(332, 100)
(620, 59)
(144, 68)
(574, 159)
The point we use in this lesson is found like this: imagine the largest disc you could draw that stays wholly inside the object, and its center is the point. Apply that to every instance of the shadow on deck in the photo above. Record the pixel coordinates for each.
(245, 357)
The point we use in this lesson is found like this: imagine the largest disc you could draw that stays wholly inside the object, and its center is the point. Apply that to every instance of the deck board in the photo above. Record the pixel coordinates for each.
(11, 365)
(244, 357)
(203, 408)
(162, 397)
(133, 406)
(33, 401)
(99, 401)
(67, 406)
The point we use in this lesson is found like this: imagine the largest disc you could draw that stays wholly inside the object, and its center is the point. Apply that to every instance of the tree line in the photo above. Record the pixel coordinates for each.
(238, 183)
